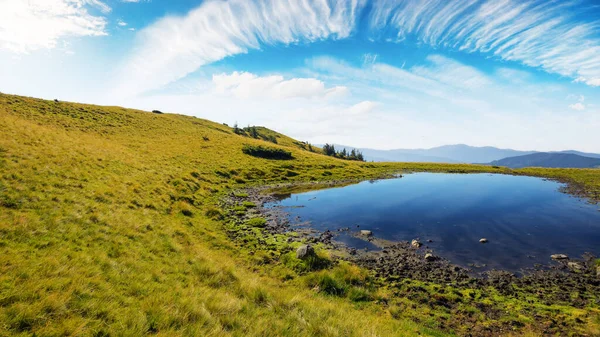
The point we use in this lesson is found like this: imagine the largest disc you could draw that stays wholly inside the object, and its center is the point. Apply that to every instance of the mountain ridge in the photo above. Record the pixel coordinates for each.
(455, 153)
(549, 159)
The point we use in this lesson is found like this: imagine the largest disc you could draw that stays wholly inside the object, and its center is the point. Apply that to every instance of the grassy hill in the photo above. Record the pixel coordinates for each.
(110, 224)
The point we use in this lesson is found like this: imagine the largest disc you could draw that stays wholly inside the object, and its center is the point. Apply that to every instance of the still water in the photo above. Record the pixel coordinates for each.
(525, 219)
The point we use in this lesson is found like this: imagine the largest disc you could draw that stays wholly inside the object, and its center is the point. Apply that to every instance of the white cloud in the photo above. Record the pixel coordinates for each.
(369, 58)
(30, 25)
(95, 3)
(537, 34)
(451, 72)
(546, 34)
(121, 23)
(247, 85)
(176, 46)
(577, 106)
(392, 107)
(362, 108)
(595, 82)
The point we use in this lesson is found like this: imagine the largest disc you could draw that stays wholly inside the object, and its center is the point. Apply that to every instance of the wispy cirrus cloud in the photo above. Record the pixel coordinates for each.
(176, 46)
(30, 25)
(546, 35)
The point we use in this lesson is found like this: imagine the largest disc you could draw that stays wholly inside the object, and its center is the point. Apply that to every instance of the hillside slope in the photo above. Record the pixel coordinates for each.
(110, 224)
(558, 160)
(94, 237)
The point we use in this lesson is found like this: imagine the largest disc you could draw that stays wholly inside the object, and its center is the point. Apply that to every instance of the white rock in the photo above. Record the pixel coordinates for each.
(305, 251)
(559, 257)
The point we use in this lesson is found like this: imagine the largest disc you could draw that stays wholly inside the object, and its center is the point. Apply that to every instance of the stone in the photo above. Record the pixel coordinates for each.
(559, 257)
(305, 251)
(429, 257)
(483, 240)
(415, 243)
(365, 232)
(575, 266)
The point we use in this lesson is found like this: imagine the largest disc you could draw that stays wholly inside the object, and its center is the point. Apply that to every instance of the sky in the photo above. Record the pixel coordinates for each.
(374, 74)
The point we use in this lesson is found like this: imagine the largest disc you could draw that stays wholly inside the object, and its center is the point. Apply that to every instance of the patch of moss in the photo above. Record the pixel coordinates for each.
(257, 222)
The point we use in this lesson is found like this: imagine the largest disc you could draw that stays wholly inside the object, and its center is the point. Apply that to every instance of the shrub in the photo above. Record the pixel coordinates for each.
(266, 152)
(157, 112)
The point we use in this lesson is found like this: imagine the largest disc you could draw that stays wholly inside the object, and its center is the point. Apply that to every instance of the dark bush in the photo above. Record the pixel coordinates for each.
(266, 152)
(157, 111)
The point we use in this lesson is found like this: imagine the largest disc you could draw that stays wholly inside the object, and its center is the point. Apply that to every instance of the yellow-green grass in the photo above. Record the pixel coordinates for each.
(106, 228)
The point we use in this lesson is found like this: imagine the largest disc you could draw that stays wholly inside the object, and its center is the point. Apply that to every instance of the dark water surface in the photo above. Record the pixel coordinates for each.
(526, 219)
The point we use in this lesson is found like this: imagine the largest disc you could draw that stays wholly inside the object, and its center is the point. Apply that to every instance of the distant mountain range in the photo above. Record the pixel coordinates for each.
(544, 159)
(459, 153)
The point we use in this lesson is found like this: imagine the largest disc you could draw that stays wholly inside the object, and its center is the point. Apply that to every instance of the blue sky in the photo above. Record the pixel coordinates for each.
(379, 74)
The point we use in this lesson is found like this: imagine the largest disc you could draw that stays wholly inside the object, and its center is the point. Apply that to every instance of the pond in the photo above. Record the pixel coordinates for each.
(525, 219)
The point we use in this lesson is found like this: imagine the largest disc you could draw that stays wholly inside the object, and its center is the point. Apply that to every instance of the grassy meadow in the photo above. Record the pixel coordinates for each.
(111, 225)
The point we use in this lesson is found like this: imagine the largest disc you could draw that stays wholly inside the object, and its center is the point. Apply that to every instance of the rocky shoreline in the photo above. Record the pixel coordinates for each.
(399, 265)
(395, 261)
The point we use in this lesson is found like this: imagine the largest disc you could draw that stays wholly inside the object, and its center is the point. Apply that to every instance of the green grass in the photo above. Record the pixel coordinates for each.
(111, 224)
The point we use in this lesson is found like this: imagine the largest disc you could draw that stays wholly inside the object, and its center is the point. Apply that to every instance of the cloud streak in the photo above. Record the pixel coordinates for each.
(534, 33)
(176, 46)
(544, 34)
